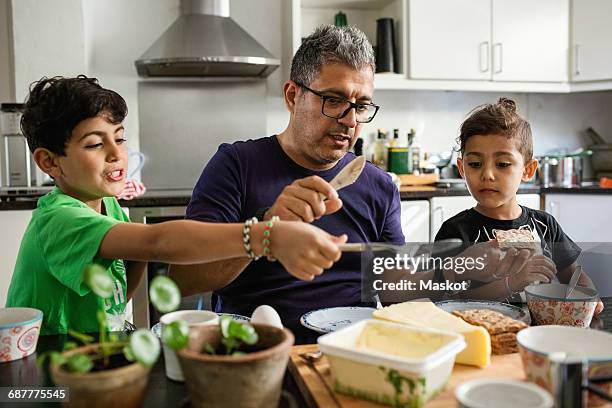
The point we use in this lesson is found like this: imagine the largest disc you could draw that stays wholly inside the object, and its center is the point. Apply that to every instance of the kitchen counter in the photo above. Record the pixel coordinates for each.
(169, 198)
(162, 392)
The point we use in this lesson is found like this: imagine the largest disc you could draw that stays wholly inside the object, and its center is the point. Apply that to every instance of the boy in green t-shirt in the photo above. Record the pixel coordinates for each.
(74, 129)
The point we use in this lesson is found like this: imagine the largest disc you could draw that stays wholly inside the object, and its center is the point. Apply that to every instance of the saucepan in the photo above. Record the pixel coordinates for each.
(562, 170)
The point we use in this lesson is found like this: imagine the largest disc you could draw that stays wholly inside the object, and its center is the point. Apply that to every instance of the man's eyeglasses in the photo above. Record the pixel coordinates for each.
(336, 108)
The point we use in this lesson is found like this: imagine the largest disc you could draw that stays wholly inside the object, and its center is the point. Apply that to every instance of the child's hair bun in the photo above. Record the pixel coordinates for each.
(507, 104)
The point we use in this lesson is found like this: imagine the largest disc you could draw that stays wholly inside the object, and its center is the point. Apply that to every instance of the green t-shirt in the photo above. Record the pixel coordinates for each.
(63, 236)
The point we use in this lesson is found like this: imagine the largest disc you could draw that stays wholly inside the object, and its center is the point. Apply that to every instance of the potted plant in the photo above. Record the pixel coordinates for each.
(235, 364)
(113, 371)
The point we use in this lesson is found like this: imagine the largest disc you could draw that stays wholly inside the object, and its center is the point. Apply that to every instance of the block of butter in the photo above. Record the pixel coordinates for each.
(426, 314)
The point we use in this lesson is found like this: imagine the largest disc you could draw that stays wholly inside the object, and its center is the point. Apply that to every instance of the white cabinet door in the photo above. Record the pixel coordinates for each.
(584, 218)
(415, 220)
(449, 39)
(592, 32)
(14, 224)
(530, 40)
(529, 200)
(443, 208)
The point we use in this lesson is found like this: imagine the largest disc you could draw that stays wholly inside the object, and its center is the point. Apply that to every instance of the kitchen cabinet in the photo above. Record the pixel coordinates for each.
(586, 219)
(476, 45)
(415, 220)
(444, 208)
(583, 217)
(306, 15)
(14, 224)
(591, 34)
(497, 40)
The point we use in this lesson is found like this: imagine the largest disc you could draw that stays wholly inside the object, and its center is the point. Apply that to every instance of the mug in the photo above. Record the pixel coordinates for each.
(192, 318)
(141, 161)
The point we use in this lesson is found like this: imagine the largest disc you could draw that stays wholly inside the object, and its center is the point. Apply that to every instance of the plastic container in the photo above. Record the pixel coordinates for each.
(388, 378)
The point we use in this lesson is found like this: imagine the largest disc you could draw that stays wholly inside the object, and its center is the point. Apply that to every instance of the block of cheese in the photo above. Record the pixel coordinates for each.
(426, 314)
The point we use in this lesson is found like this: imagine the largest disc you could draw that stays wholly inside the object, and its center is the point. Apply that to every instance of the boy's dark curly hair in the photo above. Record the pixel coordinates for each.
(55, 106)
(502, 119)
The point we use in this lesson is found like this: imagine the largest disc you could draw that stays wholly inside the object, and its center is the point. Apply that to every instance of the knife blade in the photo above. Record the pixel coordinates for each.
(348, 174)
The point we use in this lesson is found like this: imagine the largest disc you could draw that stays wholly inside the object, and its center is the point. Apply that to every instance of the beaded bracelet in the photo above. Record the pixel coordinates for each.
(267, 236)
(246, 237)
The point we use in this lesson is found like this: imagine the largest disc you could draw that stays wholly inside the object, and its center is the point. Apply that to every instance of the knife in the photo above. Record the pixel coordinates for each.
(433, 249)
(348, 174)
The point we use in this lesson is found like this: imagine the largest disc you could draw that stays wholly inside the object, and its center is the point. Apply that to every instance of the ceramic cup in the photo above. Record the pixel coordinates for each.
(548, 305)
(19, 329)
(192, 318)
(536, 345)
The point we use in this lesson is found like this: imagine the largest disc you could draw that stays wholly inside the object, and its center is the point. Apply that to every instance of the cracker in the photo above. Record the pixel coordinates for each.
(493, 322)
(515, 238)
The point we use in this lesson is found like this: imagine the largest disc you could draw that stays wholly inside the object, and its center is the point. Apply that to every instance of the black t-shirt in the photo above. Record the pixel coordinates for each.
(472, 227)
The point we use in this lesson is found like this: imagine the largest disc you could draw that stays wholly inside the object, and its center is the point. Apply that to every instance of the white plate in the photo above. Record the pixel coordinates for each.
(334, 318)
(504, 308)
(156, 329)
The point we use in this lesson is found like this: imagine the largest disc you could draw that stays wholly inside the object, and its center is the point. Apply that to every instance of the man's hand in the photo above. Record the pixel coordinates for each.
(301, 201)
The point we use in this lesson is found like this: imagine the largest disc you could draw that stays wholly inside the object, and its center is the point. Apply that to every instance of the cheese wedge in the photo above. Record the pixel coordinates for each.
(426, 314)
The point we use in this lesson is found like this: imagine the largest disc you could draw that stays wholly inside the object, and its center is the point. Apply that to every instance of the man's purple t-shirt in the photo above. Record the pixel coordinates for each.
(244, 177)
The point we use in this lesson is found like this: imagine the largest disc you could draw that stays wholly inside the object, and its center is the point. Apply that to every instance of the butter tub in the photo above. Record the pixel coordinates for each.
(390, 363)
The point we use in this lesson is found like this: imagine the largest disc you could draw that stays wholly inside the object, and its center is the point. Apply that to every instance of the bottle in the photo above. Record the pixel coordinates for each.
(379, 156)
(427, 167)
(395, 141)
(358, 148)
(414, 153)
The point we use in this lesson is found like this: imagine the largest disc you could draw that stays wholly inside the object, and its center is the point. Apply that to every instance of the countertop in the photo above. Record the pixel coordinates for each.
(162, 392)
(169, 198)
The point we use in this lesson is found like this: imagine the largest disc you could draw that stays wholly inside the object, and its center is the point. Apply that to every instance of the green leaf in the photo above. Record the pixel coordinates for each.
(164, 294)
(98, 280)
(69, 345)
(145, 347)
(57, 358)
(127, 352)
(234, 333)
(79, 363)
(209, 349)
(176, 334)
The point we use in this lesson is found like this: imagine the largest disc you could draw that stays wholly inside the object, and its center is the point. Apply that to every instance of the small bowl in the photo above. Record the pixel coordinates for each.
(548, 305)
(501, 393)
(19, 329)
(536, 343)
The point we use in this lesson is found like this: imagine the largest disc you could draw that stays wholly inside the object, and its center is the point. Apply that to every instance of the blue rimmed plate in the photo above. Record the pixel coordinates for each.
(509, 310)
(334, 318)
(156, 329)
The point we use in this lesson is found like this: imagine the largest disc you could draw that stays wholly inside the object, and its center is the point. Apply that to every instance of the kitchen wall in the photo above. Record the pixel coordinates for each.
(556, 119)
(103, 38)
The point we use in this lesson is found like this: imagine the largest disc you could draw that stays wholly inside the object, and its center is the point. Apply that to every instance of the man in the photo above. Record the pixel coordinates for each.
(329, 97)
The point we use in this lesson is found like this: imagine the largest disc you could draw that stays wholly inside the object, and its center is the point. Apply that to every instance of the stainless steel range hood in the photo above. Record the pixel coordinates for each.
(206, 42)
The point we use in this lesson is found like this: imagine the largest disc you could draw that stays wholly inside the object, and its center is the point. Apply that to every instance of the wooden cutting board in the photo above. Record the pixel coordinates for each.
(317, 394)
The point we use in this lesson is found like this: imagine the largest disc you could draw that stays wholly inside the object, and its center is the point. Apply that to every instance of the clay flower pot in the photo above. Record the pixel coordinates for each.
(123, 386)
(250, 380)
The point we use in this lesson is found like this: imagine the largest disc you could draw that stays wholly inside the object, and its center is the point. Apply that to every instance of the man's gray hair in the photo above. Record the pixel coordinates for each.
(330, 44)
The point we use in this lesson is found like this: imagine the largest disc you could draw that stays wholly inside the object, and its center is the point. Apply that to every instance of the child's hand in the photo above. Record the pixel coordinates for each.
(538, 268)
(304, 250)
(497, 263)
(132, 190)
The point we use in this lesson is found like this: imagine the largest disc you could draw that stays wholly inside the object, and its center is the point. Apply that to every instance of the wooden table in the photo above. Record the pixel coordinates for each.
(318, 394)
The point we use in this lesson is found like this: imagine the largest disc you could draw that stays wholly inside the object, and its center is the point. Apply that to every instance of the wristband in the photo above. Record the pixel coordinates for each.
(246, 238)
(267, 238)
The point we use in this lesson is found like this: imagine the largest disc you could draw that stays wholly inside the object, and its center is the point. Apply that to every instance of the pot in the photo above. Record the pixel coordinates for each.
(250, 380)
(562, 170)
(124, 386)
(602, 153)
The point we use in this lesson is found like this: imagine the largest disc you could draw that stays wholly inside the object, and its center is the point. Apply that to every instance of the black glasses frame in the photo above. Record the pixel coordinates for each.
(352, 105)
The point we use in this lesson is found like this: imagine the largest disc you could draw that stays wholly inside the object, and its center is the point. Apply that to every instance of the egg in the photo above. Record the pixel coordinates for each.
(265, 314)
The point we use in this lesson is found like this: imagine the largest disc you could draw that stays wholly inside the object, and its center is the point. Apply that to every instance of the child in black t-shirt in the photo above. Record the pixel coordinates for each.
(496, 155)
